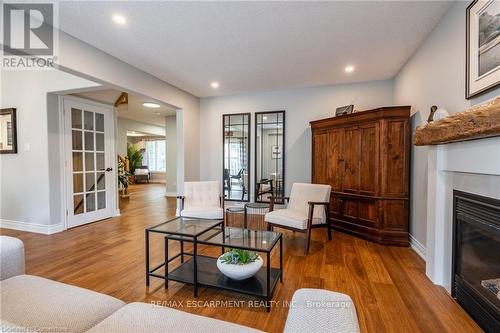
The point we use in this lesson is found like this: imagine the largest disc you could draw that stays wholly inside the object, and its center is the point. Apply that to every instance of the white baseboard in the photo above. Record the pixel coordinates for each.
(418, 247)
(32, 227)
(170, 194)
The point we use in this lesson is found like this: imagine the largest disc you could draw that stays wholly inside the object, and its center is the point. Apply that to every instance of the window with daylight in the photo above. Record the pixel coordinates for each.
(155, 153)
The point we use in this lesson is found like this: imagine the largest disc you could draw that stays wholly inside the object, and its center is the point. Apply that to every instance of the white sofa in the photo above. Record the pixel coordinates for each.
(319, 310)
(33, 304)
(12, 257)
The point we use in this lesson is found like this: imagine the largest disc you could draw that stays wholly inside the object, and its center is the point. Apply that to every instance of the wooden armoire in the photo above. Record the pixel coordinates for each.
(365, 157)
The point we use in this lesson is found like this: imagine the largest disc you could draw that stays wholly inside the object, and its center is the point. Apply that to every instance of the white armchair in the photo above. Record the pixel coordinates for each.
(202, 200)
(308, 207)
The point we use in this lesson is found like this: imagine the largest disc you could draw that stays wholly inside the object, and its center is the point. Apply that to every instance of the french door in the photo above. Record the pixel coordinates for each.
(90, 169)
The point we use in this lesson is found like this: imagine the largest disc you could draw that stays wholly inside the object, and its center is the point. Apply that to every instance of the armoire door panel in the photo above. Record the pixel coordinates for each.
(320, 160)
(396, 164)
(350, 182)
(350, 208)
(335, 206)
(335, 158)
(369, 156)
(369, 213)
(395, 215)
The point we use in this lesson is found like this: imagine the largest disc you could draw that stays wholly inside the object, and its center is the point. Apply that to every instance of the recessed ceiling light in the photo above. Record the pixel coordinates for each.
(158, 113)
(349, 69)
(151, 105)
(119, 19)
(215, 85)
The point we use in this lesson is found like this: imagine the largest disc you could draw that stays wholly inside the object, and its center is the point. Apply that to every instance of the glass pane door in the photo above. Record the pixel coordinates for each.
(88, 152)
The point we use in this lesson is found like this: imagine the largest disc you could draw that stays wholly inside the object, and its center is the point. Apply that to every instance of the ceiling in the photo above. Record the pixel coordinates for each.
(141, 134)
(136, 111)
(254, 46)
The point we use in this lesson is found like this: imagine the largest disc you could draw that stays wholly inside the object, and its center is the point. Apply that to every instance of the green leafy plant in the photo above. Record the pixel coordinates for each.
(239, 257)
(135, 157)
(123, 176)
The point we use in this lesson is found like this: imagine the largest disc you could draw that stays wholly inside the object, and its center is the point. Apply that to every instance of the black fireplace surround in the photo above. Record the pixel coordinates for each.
(476, 258)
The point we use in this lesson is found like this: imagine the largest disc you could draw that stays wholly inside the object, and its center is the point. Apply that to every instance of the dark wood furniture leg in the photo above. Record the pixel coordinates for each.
(328, 223)
(309, 227)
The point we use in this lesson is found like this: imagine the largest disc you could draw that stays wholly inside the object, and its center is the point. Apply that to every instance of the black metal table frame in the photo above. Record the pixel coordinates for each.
(194, 239)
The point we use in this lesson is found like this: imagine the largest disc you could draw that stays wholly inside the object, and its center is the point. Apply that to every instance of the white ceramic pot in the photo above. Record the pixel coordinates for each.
(240, 272)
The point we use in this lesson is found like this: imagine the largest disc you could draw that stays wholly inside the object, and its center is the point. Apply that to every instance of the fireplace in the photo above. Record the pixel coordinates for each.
(476, 257)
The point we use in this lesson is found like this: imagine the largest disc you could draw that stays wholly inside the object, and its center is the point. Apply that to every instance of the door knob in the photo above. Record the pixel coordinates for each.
(109, 169)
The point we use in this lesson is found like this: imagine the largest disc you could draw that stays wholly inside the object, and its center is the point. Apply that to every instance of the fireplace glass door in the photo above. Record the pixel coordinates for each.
(477, 257)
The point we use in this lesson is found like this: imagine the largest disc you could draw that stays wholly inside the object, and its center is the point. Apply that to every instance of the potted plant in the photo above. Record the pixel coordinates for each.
(135, 156)
(123, 177)
(239, 264)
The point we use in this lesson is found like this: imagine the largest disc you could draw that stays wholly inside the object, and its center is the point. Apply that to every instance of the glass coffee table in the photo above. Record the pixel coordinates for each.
(202, 270)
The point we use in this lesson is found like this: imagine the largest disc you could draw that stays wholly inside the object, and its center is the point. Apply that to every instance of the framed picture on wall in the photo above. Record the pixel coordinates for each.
(483, 47)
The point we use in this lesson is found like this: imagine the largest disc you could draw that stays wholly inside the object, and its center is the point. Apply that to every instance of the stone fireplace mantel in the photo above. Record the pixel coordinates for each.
(470, 166)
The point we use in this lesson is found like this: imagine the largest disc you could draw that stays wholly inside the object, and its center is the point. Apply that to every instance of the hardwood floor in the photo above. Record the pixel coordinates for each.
(387, 284)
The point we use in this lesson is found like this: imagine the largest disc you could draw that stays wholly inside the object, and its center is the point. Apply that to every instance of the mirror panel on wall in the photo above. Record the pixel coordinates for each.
(236, 155)
(269, 155)
(8, 131)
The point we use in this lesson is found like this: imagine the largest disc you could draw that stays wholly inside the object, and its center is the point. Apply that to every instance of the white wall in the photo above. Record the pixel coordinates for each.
(88, 61)
(301, 105)
(29, 182)
(171, 140)
(123, 125)
(28, 189)
(435, 75)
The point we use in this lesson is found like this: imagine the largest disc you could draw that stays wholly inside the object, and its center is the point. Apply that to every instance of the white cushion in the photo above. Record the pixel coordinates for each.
(5, 326)
(296, 213)
(318, 310)
(34, 302)
(203, 212)
(302, 193)
(142, 317)
(138, 172)
(201, 194)
(289, 218)
(12, 257)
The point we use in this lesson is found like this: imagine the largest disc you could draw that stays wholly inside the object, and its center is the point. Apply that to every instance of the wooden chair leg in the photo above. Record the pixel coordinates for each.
(309, 226)
(269, 227)
(308, 240)
(328, 222)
